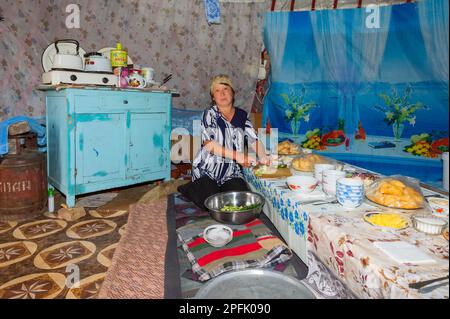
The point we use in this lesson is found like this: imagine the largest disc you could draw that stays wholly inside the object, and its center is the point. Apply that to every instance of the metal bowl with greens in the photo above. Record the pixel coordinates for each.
(235, 207)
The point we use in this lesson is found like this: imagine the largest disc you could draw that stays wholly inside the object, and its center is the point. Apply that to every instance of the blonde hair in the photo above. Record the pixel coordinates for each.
(220, 79)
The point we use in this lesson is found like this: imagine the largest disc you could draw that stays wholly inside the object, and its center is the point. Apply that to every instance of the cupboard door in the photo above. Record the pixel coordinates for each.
(100, 147)
(148, 146)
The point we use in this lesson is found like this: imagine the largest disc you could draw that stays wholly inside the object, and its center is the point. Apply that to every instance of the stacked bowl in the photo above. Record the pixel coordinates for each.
(350, 192)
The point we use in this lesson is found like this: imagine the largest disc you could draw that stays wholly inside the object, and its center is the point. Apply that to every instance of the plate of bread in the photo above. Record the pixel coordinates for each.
(307, 162)
(288, 148)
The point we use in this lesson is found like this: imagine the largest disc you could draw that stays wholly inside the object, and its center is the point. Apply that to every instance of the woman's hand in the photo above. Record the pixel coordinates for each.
(249, 161)
(265, 160)
(245, 160)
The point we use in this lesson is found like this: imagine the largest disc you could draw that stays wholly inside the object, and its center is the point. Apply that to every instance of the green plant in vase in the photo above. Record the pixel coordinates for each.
(297, 109)
(398, 110)
(341, 123)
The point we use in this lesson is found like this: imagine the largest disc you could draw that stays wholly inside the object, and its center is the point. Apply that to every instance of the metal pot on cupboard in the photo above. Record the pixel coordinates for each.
(96, 62)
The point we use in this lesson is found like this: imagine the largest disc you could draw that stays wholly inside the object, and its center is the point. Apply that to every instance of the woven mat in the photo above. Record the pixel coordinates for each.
(138, 266)
(253, 246)
(187, 213)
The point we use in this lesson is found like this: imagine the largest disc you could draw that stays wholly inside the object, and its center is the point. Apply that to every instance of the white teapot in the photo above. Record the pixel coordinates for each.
(136, 80)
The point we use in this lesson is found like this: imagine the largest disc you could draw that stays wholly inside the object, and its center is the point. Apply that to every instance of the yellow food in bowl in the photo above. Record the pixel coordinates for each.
(387, 220)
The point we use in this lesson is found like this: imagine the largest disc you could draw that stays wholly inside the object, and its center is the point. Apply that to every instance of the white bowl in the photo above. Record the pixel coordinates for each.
(319, 168)
(302, 184)
(218, 235)
(439, 206)
(429, 225)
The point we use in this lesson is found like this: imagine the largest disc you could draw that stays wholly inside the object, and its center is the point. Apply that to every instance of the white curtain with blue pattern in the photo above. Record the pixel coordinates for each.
(433, 18)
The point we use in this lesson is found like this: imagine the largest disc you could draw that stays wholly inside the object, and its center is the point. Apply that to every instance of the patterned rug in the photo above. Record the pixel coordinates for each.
(47, 257)
(138, 266)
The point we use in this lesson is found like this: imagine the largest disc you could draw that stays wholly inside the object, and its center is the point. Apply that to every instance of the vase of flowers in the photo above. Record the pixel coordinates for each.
(397, 129)
(398, 110)
(297, 109)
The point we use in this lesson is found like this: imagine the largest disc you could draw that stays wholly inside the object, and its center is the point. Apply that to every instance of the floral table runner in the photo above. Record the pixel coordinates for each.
(343, 242)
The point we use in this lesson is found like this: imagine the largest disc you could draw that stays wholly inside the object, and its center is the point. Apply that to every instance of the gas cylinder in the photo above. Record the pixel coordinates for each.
(23, 185)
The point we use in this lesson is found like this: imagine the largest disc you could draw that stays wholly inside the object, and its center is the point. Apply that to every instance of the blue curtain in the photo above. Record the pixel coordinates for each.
(378, 74)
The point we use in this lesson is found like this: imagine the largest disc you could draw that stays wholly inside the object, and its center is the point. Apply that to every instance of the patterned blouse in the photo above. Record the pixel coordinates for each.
(232, 135)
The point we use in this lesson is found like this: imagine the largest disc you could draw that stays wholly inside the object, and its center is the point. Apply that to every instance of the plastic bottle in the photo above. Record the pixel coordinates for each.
(51, 200)
(119, 61)
(119, 57)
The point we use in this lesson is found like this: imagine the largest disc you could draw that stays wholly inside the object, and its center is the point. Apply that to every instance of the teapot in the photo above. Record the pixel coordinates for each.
(136, 80)
(68, 61)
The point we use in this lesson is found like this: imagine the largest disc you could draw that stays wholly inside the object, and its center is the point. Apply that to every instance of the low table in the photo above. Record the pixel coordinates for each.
(330, 239)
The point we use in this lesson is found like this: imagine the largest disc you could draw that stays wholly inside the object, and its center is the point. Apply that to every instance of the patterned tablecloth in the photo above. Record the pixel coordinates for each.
(343, 242)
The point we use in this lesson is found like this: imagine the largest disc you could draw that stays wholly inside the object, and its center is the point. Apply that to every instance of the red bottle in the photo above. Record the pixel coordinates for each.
(361, 134)
(268, 128)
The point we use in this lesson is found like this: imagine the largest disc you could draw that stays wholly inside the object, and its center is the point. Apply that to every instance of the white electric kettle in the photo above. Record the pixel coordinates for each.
(68, 61)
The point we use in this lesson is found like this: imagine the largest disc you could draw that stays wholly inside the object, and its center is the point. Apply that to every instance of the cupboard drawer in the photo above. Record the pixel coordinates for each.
(151, 102)
(83, 102)
(124, 101)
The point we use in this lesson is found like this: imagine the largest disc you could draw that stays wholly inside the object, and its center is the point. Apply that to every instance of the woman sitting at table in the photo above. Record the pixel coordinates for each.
(226, 136)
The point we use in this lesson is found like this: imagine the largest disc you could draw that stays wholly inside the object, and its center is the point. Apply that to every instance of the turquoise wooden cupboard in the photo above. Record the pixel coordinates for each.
(99, 139)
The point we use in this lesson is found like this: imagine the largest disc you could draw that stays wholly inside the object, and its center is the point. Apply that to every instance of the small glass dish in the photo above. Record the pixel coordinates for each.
(429, 224)
(218, 235)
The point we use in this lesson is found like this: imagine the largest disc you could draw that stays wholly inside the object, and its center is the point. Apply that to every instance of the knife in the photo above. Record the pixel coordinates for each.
(166, 79)
(422, 284)
(430, 288)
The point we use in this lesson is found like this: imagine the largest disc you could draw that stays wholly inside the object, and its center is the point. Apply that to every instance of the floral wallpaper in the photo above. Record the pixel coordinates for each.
(171, 36)
(20, 56)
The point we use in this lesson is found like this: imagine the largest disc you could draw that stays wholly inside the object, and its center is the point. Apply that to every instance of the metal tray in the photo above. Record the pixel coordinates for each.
(254, 284)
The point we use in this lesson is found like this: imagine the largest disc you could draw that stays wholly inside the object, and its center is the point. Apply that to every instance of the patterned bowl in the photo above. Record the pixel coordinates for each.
(350, 192)
(302, 184)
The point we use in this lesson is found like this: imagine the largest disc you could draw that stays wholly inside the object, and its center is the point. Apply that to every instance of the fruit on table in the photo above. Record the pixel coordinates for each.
(421, 148)
(421, 137)
(334, 138)
(312, 133)
(440, 146)
(314, 142)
